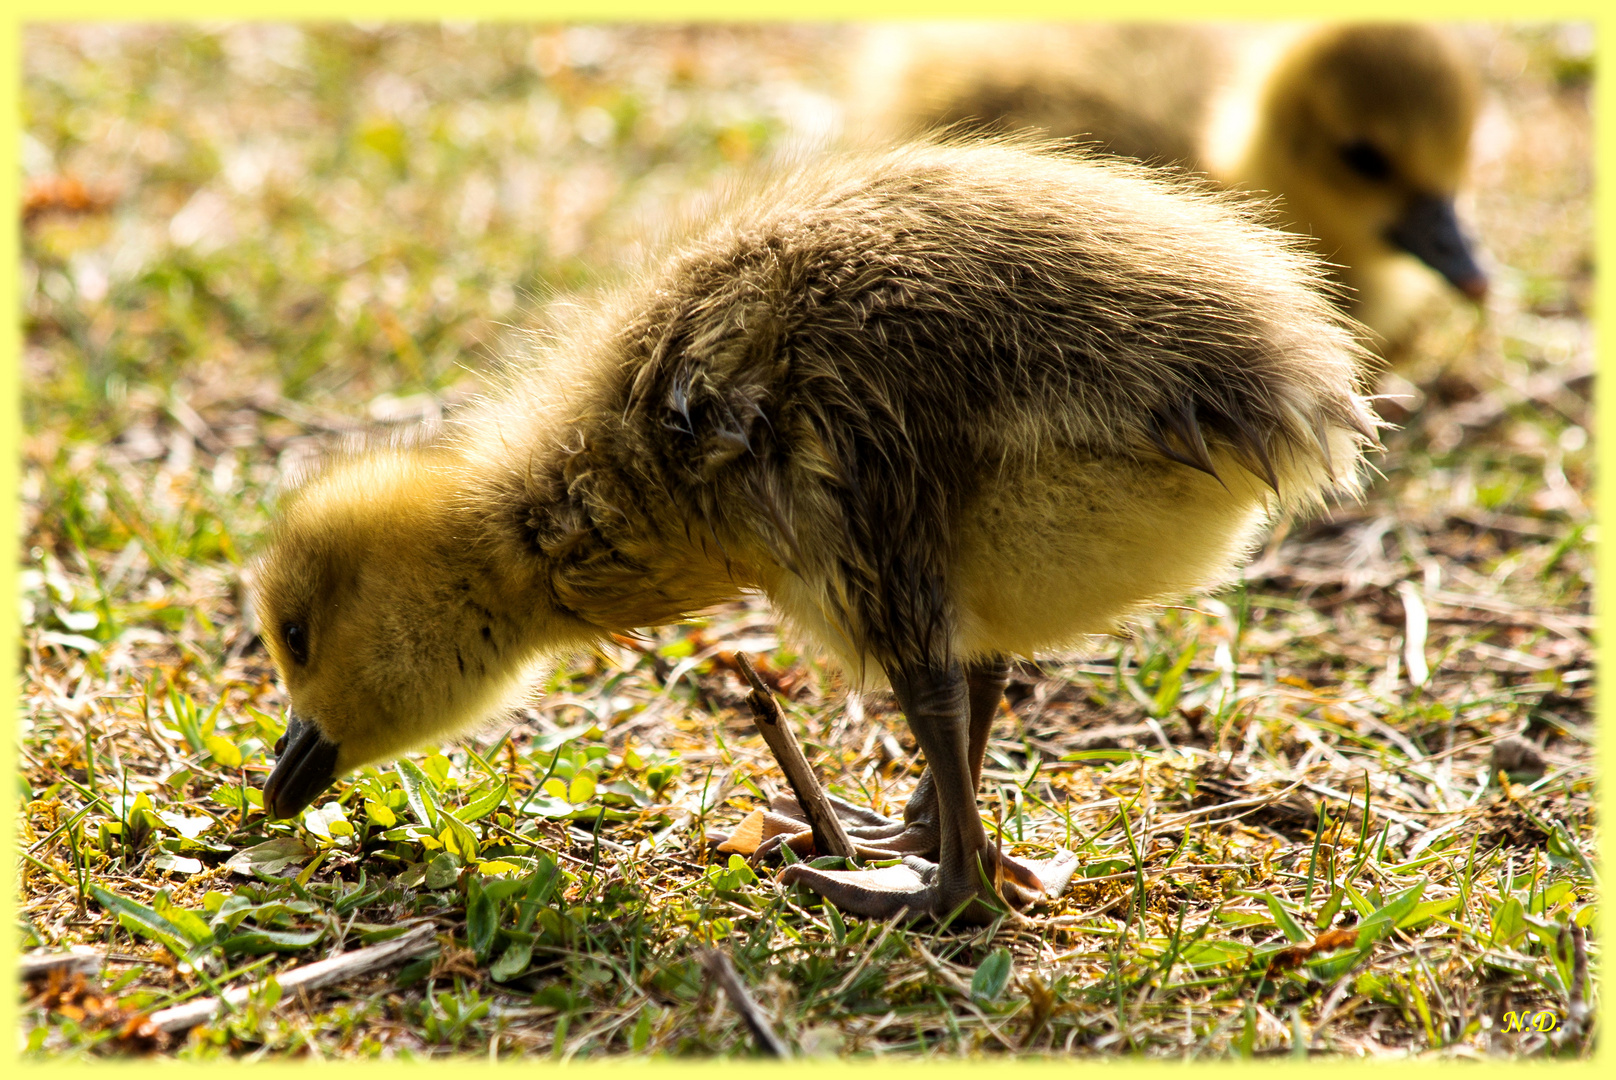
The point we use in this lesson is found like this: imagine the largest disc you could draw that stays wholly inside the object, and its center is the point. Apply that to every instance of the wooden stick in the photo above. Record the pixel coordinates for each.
(346, 965)
(829, 836)
(721, 970)
(1580, 1011)
(82, 959)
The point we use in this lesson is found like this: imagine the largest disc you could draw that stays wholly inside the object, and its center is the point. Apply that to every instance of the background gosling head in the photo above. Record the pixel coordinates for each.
(1363, 131)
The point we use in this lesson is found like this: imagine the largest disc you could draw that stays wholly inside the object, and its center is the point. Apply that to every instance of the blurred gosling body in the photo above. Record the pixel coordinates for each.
(1360, 132)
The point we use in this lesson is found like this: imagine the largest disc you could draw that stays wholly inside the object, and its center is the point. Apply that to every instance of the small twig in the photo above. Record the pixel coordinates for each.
(1158, 871)
(1391, 815)
(1256, 802)
(1416, 625)
(721, 970)
(304, 416)
(80, 959)
(1082, 917)
(348, 965)
(1579, 1011)
(942, 971)
(589, 840)
(196, 427)
(830, 838)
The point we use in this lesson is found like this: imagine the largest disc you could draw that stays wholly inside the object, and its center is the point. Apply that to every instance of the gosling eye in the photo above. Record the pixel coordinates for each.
(1365, 159)
(297, 641)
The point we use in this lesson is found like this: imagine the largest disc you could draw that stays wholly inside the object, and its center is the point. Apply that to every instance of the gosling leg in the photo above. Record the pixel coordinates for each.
(945, 719)
(878, 837)
(937, 704)
(1018, 881)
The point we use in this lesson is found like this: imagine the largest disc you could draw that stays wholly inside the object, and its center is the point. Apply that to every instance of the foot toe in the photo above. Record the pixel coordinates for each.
(874, 836)
(1026, 881)
(878, 893)
(851, 816)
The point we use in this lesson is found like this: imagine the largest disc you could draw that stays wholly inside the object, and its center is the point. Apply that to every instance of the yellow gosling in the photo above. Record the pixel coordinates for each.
(942, 405)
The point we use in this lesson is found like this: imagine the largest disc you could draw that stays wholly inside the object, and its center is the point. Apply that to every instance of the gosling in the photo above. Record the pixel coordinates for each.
(1360, 132)
(943, 405)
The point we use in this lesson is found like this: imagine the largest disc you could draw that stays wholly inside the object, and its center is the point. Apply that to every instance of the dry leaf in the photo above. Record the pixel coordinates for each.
(747, 835)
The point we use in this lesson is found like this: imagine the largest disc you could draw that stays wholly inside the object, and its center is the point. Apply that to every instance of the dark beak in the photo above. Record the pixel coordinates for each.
(306, 766)
(1429, 230)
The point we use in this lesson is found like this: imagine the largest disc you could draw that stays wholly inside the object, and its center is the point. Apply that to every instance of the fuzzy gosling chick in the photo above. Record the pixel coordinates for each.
(943, 405)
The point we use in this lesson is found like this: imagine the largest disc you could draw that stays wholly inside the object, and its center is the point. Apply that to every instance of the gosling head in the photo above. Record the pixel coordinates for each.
(389, 617)
(1366, 131)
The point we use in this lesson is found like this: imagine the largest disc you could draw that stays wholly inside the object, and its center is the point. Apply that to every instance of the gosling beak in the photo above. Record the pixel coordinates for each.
(1429, 230)
(306, 766)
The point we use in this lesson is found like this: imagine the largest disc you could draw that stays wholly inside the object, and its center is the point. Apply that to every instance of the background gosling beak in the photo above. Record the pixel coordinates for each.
(306, 766)
(1429, 230)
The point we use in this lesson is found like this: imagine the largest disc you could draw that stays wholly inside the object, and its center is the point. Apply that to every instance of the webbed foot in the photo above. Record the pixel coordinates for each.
(877, 893)
(913, 886)
(950, 709)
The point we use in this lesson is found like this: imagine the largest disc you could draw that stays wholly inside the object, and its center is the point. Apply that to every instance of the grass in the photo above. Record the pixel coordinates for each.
(219, 285)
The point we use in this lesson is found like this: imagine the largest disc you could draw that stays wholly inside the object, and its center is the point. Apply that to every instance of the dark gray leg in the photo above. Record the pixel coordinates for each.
(937, 704)
(985, 681)
(950, 713)
(878, 837)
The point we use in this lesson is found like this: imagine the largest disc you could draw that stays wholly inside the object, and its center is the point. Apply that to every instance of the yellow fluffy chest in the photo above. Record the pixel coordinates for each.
(1065, 547)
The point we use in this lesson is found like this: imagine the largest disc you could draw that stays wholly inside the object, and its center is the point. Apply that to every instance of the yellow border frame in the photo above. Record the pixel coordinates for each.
(722, 10)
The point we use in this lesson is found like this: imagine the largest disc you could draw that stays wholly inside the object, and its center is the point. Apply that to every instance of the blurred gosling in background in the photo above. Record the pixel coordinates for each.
(1360, 132)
